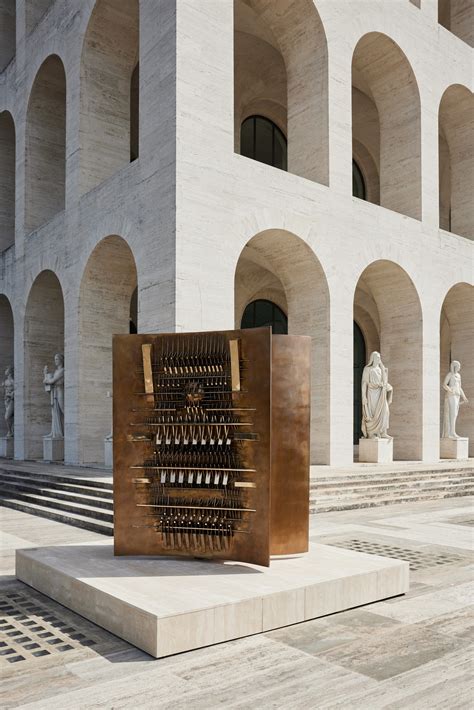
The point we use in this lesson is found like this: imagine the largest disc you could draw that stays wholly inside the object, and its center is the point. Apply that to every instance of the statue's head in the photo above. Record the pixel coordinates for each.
(375, 359)
(455, 366)
(9, 371)
(59, 360)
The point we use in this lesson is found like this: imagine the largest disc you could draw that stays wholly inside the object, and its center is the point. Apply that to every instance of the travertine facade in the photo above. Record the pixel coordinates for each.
(199, 231)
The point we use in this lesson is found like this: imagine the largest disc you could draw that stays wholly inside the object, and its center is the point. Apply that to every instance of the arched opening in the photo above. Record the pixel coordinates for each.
(386, 138)
(262, 140)
(360, 359)
(458, 17)
(261, 312)
(457, 343)
(108, 133)
(456, 161)
(277, 46)
(6, 347)
(44, 337)
(108, 306)
(388, 311)
(34, 11)
(279, 267)
(134, 113)
(358, 182)
(7, 32)
(46, 144)
(7, 181)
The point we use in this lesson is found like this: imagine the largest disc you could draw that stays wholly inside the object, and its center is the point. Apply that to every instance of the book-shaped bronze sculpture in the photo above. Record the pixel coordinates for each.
(211, 444)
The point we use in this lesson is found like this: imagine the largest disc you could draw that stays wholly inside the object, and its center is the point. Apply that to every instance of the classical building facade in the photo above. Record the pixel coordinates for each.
(181, 165)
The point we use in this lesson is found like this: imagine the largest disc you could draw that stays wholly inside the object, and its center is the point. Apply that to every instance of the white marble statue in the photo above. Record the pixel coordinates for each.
(453, 398)
(376, 398)
(54, 384)
(9, 387)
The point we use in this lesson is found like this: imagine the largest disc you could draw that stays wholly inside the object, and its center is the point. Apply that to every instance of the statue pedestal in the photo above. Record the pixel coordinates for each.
(6, 447)
(454, 448)
(375, 450)
(108, 453)
(53, 449)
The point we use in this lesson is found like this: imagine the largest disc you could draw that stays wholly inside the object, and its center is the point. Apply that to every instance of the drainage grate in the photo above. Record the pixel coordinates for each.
(33, 627)
(418, 560)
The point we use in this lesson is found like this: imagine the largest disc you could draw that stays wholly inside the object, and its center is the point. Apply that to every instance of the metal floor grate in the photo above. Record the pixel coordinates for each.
(418, 559)
(33, 627)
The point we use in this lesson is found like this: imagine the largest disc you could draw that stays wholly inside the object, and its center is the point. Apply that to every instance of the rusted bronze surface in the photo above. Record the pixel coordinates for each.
(192, 456)
(290, 421)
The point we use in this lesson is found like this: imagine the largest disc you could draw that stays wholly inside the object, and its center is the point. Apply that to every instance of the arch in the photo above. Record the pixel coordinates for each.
(277, 46)
(456, 160)
(6, 344)
(457, 16)
(45, 157)
(262, 140)
(279, 266)
(7, 180)
(358, 182)
(390, 297)
(105, 308)
(7, 32)
(43, 338)
(386, 120)
(109, 56)
(457, 343)
(262, 312)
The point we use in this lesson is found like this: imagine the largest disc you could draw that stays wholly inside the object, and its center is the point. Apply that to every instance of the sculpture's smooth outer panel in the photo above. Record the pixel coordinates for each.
(134, 526)
(291, 375)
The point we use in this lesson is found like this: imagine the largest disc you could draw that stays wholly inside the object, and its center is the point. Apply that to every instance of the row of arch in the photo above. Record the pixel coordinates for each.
(275, 267)
(281, 76)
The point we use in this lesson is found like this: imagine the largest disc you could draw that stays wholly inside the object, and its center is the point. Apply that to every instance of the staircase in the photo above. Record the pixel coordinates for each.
(74, 500)
(369, 488)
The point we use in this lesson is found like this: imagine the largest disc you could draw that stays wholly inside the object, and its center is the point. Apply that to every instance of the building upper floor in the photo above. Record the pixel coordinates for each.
(369, 99)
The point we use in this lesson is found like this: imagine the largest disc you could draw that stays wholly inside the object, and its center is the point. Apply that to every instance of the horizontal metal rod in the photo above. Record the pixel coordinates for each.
(195, 507)
(196, 468)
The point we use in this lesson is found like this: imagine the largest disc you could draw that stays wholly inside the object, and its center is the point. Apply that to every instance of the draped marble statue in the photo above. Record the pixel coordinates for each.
(54, 384)
(376, 398)
(453, 398)
(9, 400)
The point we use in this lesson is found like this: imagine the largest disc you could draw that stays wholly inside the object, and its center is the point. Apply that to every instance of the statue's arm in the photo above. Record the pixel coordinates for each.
(364, 387)
(446, 386)
(56, 376)
(463, 396)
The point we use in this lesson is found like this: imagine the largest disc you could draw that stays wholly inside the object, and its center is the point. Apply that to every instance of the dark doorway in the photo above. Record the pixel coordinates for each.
(359, 364)
(262, 312)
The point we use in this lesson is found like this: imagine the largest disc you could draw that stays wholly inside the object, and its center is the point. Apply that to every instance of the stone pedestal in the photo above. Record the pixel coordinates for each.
(454, 448)
(108, 452)
(375, 450)
(53, 449)
(6, 447)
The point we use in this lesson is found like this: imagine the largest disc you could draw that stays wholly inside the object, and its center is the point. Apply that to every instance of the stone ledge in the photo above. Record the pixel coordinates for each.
(169, 605)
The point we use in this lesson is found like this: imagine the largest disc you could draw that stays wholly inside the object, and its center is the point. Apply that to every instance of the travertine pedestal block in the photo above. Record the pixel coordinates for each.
(454, 448)
(108, 453)
(6, 447)
(53, 449)
(375, 450)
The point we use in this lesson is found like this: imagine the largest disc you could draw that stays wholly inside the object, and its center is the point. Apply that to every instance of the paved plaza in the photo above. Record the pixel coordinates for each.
(410, 652)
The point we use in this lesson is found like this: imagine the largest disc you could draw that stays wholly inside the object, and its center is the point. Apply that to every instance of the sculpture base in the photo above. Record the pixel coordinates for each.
(454, 448)
(376, 450)
(167, 605)
(6, 447)
(53, 449)
(108, 453)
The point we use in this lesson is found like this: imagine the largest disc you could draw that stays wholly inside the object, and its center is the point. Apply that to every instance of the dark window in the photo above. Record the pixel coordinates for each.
(358, 184)
(261, 312)
(359, 364)
(134, 112)
(262, 140)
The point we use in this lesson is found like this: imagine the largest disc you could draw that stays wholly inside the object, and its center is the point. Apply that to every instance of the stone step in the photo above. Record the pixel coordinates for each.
(362, 478)
(46, 502)
(71, 480)
(393, 492)
(389, 485)
(10, 488)
(74, 519)
(327, 507)
(82, 487)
